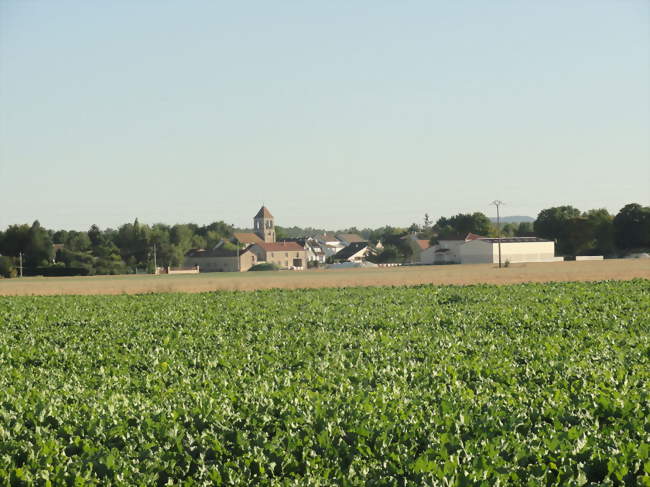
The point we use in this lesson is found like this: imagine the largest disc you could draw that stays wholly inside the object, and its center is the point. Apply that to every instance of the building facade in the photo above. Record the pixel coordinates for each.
(263, 225)
(514, 250)
(221, 260)
(286, 255)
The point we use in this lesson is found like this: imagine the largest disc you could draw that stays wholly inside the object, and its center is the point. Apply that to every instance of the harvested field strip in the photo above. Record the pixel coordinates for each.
(450, 274)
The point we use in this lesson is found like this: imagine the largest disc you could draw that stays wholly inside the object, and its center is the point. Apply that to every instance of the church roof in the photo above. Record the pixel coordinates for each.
(279, 246)
(218, 252)
(247, 238)
(264, 213)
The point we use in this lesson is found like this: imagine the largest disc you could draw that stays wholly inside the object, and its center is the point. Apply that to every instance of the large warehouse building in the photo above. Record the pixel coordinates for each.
(515, 249)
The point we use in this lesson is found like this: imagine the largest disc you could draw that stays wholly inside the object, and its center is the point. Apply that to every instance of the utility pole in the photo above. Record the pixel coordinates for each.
(20, 257)
(155, 265)
(498, 203)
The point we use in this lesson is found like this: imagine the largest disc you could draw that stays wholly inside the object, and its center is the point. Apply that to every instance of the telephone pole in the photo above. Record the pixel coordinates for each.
(498, 203)
(20, 266)
(155, 265)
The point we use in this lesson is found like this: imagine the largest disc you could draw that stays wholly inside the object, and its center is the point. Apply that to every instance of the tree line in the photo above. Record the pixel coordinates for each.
(133, 247)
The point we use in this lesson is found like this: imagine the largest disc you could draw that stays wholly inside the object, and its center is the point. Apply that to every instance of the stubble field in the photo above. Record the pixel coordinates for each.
(616, 269)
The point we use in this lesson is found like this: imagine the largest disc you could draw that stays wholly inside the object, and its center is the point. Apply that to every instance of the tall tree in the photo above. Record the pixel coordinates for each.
(15, 241)
(553, 224)
(632, 227)
(464, 223)
(601, 228)
(39, 250)
(524, 229)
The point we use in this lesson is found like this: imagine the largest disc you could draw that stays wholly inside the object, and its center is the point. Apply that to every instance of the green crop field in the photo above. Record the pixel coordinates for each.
(531, 384)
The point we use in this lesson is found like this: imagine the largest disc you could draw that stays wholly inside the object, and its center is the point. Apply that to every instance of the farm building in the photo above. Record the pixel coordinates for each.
(517, 249)
(447, 251)
(221, 259)
(286, 255)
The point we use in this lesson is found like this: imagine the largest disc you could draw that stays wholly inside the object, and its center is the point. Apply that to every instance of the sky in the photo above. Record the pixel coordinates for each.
(332, 114)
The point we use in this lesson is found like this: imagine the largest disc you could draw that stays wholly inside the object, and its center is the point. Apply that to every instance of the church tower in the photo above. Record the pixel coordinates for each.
(263, 225)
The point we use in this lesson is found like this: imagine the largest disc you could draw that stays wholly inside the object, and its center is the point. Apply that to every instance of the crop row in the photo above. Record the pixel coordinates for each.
(535, 384)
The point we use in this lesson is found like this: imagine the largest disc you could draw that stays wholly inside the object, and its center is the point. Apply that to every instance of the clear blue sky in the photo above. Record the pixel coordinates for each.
(332, 113)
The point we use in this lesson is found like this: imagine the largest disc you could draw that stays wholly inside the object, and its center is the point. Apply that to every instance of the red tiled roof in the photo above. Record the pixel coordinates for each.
(264, 213)
(247, 237)
(280, 246)
(457, 237)
(350, 237)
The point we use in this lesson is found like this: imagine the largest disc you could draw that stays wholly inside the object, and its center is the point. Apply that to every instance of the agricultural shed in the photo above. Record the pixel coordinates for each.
(516, 249)
(447, 251)
(220, 260)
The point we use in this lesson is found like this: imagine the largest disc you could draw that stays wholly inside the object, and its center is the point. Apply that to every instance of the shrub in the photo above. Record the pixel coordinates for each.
(266, 266)
(7, 268)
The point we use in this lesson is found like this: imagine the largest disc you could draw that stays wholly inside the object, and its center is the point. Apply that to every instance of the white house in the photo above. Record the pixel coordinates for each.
(315, 251)
(329, 244)
(516, 249)
(355, 252)
(349, 238)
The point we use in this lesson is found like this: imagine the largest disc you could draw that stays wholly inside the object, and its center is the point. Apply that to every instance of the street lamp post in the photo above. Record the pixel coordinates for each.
(498, 203)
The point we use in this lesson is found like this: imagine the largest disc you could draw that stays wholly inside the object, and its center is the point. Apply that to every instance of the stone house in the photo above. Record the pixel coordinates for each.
(286, 255)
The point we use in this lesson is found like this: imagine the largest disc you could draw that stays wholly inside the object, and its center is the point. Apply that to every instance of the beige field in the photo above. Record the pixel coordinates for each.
(394, 276)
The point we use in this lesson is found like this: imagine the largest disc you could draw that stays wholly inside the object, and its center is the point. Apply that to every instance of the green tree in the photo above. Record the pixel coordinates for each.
(7, 268)
(553, 224)
(462, 224)
(524, 229)
(508, 230)
(133, 241)
(16, 239)
(108, 259)
(601, 228)
(39, 250)
(632, 227)
(78, 241)
(390, 253)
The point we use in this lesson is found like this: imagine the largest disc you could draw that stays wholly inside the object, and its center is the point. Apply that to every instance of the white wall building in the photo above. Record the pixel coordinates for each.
(514, 250)
(447, 251)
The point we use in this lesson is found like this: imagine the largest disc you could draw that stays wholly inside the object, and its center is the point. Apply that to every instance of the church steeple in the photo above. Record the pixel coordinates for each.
(263, 225)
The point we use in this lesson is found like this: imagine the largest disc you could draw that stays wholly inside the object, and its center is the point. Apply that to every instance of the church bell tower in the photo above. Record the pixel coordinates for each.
(263, 225)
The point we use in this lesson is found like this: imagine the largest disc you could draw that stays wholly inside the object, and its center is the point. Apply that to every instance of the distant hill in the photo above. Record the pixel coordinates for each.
(514, 219)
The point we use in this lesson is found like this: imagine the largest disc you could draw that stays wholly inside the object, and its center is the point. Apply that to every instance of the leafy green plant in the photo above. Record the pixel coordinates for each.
(535, 384)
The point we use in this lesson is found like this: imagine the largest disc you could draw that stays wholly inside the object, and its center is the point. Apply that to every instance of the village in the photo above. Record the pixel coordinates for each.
(253, 250)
